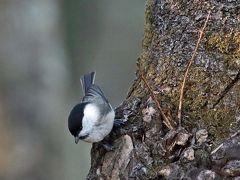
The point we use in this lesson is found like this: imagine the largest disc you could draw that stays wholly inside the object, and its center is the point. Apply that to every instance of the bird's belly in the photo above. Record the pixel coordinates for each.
(102, 128)
(98, 134)
(100, 131)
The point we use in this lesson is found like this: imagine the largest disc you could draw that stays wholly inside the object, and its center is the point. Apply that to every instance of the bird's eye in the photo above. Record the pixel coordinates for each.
(84, 136)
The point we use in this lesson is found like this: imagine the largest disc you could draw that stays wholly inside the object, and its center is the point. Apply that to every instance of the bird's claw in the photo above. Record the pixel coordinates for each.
(119, 122)
(107, 146)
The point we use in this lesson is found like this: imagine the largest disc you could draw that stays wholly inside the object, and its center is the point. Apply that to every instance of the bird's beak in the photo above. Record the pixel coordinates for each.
(76, 139)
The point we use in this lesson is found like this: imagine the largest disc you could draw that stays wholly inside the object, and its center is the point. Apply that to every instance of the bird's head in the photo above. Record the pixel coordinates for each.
(75, 121)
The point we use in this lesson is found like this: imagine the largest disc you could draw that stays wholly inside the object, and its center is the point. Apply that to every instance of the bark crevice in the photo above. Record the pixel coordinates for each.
(211, 101)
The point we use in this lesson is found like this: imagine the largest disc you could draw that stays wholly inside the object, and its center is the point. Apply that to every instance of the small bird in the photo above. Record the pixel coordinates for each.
(93, 118)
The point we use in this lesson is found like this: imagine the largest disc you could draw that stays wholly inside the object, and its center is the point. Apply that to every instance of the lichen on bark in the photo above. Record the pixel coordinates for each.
(211, 101)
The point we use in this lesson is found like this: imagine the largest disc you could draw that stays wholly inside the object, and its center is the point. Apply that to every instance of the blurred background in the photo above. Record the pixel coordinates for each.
(44, 48)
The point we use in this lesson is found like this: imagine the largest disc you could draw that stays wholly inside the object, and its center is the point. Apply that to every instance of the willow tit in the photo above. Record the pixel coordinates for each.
(92, 119)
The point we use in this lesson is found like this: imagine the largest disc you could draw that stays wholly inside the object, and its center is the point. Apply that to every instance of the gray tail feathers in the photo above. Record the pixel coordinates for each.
(87, 80)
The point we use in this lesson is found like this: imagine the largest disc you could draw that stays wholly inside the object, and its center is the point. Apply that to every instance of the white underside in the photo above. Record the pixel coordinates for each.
(96, 126)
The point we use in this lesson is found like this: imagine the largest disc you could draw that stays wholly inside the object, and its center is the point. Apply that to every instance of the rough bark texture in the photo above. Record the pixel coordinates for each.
(206, 146)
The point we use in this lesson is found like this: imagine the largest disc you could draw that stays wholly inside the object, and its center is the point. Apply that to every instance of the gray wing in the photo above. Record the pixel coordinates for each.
(94, 93)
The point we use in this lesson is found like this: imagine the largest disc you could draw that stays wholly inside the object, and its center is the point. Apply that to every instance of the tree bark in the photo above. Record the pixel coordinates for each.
(206, 143)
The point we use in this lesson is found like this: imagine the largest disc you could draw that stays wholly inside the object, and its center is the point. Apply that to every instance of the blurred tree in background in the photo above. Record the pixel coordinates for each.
(45, 47)
(33, 72)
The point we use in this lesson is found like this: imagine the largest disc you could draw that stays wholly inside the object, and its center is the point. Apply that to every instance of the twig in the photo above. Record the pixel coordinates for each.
(232, 136)
(216, 149)
(187, 70)
(235, 134)
(166, 121)
(227, 89)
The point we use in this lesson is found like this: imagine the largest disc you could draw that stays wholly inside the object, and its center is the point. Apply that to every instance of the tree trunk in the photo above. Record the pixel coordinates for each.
(206, 143)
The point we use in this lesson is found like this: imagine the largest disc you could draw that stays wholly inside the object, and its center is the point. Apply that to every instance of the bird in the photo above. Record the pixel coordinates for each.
(92, 119)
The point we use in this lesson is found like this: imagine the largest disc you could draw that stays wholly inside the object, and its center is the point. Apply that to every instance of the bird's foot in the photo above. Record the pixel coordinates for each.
(119, 122)
(107, 146)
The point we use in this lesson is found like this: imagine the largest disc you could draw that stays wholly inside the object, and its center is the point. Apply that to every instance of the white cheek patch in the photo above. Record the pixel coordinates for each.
(91, 117)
